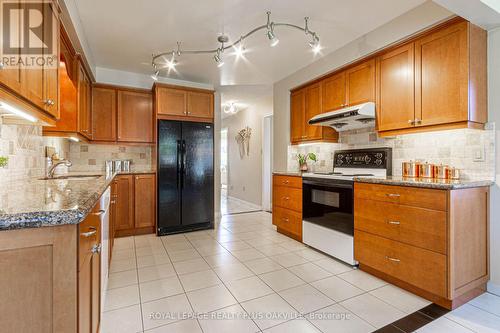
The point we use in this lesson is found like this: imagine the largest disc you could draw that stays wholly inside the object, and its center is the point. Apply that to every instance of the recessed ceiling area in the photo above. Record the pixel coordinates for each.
(123, 34)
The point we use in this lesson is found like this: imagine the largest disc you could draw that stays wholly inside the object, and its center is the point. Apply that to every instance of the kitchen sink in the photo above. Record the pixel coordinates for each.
(72, 177)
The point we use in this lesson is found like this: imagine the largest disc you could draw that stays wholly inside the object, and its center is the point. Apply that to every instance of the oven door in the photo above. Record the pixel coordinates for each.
(329, 203)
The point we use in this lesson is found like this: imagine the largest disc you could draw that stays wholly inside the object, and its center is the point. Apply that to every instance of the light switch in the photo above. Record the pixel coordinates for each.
(479, 154)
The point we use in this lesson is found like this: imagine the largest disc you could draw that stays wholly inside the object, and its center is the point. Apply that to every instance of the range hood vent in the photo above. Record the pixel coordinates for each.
(350, 118)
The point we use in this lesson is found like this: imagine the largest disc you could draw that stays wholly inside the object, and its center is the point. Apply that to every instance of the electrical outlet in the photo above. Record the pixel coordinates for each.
(479, 154)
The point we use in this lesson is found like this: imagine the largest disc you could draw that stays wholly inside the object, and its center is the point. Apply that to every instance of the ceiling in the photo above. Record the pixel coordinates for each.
(122, 34)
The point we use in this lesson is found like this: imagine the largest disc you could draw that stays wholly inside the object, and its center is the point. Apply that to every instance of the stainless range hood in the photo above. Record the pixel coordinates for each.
(350, 118)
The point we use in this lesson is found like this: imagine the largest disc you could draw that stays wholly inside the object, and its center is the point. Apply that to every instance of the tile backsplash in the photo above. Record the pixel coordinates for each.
(470, 150)
(92, 157)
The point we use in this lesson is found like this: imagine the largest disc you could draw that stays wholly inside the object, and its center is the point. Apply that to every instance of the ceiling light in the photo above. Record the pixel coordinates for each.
(155, 75)
(273, 40)
(218, 58)
(17, 112)
(158, 60)
(231, 108)
(171, 64)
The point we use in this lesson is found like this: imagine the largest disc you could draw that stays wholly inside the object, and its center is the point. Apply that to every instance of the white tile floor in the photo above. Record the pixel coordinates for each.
(230, 205)
(245, 277)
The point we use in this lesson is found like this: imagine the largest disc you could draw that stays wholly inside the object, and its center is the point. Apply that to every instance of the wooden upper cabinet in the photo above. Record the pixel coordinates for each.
(84, 102)
(124, 203)
(333, 92)
(51, 73)
(200, 104)
(395, 89)
(171, 102)
(135, 117)
(297, 112)
(145, 200)
(11, 77)
(360, 83)
(103, 114)
(179, 103)
(313, 108)
(442, 76)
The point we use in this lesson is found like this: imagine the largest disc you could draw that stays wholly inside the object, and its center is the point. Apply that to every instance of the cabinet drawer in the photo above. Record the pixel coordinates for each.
(288, 220)
(422, 268)
(411, 225)
(411, 196)
(287, 197)
(288, 181)
(88, 231)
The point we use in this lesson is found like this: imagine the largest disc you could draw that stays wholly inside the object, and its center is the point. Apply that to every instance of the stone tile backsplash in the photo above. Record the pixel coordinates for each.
(457, 148)
(92, 157)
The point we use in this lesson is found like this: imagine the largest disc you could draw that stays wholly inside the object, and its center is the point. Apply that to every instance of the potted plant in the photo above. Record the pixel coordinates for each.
(303, 160)
(3, 161)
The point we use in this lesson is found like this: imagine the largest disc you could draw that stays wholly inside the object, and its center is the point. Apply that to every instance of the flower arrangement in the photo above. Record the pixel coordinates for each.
(303, 160)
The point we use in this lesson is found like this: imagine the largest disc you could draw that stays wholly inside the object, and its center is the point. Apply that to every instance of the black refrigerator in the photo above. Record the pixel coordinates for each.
(185, 176)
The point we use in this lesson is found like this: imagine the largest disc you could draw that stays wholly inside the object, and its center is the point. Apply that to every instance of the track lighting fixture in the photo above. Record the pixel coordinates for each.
(239, 49)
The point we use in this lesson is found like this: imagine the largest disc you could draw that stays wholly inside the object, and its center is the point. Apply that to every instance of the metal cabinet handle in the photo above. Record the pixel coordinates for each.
(394, 222)
(113, 201)
(2, 65)
(418, 121)
(286, 198)
(285, 182)
(392, 259)
(96, 248)
(304, 136)
(411, 122)
(90, 233)
(286, 219)
(393, 195)
(48, 102)
(99, 213)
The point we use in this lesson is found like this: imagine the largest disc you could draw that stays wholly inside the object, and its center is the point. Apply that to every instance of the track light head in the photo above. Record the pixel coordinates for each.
(218, 58)
(314, 44)
(155, 75)
(273, 40)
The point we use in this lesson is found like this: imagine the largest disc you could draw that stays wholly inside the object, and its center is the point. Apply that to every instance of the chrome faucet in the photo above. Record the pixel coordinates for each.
(52, 169)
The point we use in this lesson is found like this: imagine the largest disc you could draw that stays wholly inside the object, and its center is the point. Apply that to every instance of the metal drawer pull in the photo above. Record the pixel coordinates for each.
(96, 248)
(285, 182)
(286, 198)
(92, 232)
(392, 259)
(286, 219)
(393, 195)
(394, 222)
(99, 213)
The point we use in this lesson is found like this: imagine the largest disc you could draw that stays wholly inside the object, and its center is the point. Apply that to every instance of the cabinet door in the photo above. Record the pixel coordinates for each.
(297, 113)
(360, 83)
(395, 89)
(95, 294)
(85, 296)
(145, 201)
(441, 72)
(171, 102)
(32, 78)
(333, 90)
(200, 104)
(103, 114)
(84, 99)
(124, 203)
(313, 107)
(51, 73)
(12, 77)
(135, 117)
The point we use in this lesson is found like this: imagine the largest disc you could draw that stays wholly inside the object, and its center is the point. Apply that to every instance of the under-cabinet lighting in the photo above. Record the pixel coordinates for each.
(9, 108)
(72, 138)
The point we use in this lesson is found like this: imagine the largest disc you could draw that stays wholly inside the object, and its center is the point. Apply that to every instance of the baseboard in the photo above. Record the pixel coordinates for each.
(493, 288)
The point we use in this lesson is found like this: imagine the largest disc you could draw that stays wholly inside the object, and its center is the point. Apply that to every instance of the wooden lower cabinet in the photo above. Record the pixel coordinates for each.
(431, 242)
(135, 202)
(287, 205)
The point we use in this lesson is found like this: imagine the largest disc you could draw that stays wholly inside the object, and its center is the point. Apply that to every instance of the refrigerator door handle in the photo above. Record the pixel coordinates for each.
(183, 172)
(179, 163)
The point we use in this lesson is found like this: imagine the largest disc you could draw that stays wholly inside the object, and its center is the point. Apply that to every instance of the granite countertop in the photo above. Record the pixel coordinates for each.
(288, 173)
(35, 203)
(442, 184)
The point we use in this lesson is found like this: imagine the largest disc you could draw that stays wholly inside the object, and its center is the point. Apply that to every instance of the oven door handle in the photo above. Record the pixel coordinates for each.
(332, 186)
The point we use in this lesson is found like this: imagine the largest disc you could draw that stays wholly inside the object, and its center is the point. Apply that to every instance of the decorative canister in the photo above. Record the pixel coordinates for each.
(442, 171)
(454, 173)
(411, 169)
(427, 170)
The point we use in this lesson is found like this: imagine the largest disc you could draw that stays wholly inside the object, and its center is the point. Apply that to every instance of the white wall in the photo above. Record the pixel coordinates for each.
(494, 116)
(245, 174)
(413, 21)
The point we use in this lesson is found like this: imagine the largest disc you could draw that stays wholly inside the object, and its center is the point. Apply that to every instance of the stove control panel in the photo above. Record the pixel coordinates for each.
(364, 158)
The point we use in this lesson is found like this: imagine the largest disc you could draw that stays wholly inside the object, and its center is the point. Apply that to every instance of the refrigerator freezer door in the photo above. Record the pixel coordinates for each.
(169, 161)
(198, 173)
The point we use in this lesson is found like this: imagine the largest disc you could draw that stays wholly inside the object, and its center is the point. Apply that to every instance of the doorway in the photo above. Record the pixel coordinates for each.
(223, 162)
(267, 162)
